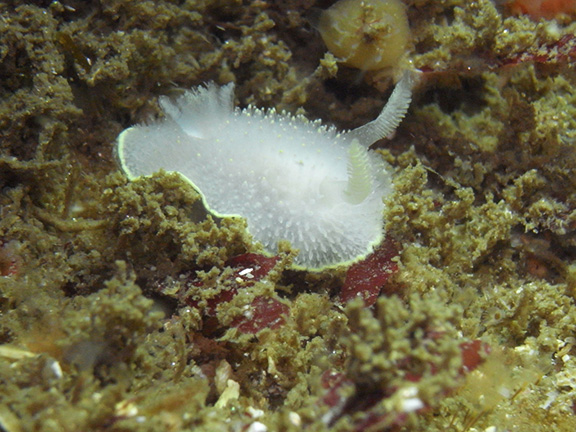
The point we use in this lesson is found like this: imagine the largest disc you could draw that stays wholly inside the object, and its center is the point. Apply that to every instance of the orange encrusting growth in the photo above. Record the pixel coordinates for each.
(543, 8)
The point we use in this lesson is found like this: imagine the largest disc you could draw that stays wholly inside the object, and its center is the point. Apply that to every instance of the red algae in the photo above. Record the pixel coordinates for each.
(126, 307)
(542, 8)
(263, 312)
(247, 269)
(473, 354)
(10, 260)
(367, 277)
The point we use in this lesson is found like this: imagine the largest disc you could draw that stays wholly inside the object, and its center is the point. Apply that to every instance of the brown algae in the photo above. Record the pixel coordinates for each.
(113, 294)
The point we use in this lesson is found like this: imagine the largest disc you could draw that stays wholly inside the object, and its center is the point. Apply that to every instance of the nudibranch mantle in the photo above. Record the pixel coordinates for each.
(291, 178)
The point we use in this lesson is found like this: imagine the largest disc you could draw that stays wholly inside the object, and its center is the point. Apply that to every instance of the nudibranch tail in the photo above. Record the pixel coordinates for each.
(360, 179)
(391, 115)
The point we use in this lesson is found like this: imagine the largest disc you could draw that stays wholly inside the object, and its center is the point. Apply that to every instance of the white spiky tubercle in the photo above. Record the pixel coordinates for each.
(289, 177)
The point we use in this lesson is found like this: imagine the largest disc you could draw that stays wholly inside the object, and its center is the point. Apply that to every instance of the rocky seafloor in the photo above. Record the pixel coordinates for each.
(125, 306)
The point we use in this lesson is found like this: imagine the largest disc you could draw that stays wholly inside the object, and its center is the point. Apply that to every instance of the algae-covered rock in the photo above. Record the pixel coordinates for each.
(125, 306)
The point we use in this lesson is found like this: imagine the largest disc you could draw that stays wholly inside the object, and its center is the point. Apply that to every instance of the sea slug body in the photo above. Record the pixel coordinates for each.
(291, 178)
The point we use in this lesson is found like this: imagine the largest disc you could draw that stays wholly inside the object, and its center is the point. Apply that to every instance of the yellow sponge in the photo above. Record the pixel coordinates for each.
(366, 34)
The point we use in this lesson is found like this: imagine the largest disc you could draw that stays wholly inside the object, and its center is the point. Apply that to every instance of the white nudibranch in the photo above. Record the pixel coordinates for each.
(291, 178)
